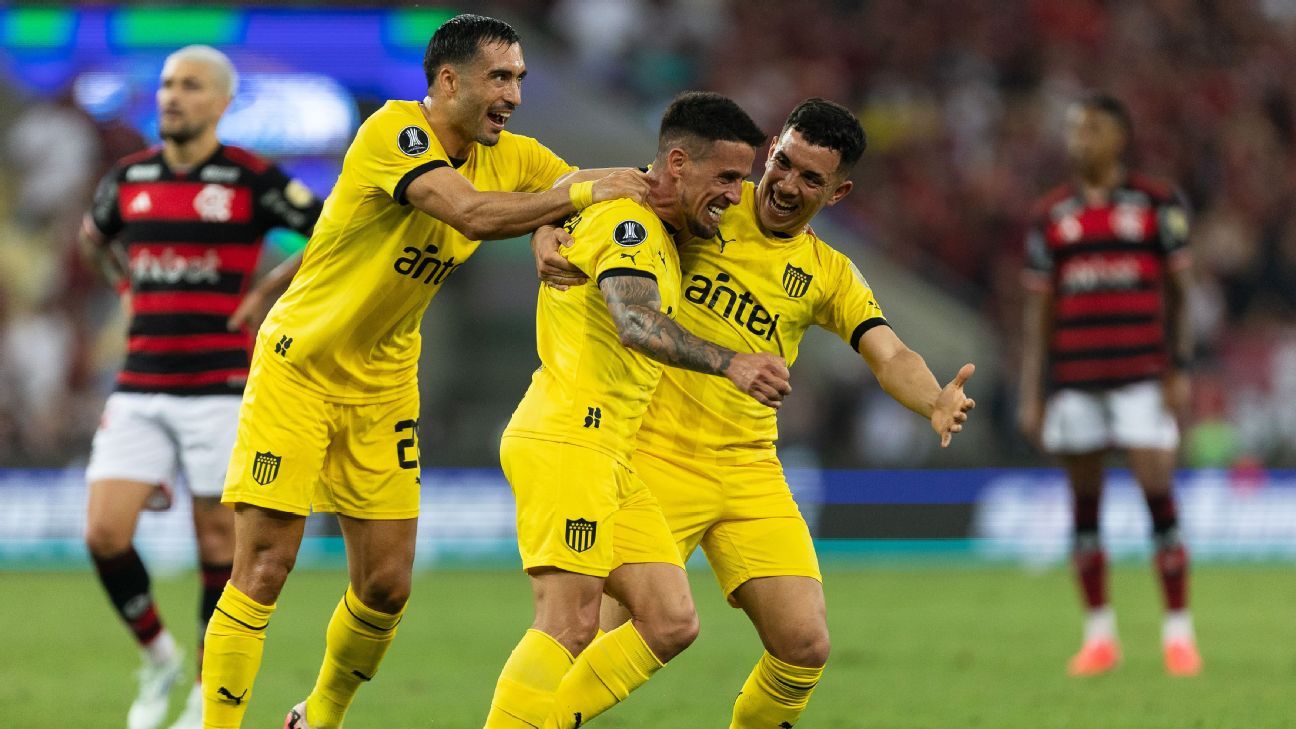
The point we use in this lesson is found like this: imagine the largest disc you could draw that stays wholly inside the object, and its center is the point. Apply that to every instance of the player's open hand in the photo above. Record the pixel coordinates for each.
(763, 376)
(250, 312)
(950, 411)
(553, 269)
(629, 183)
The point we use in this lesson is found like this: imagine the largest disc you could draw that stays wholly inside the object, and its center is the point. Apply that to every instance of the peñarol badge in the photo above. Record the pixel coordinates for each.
(796, 281)
(580, 534)
(629, 233)
(265, 467)
(413, 141)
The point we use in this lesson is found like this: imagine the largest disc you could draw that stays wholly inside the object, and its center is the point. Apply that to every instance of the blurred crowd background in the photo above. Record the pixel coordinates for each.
(962, 101)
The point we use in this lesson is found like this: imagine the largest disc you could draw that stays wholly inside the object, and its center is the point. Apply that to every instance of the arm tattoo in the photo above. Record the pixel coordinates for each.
(634, 302)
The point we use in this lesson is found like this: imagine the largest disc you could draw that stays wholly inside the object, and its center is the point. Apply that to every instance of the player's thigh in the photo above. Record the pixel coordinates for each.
(566, 497)
(1140, 418)
(790, 615)
(112, 513)
(691, 500)
(380, 559)
(371, 470)
(204, 427)
(131, 444)
(279, 446)
(1076, 421)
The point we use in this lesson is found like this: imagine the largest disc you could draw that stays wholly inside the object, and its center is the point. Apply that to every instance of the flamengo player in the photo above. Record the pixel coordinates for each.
(190, 215)
(1106, 306)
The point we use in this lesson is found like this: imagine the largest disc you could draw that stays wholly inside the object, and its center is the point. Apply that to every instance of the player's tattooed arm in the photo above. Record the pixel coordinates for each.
(635, 304)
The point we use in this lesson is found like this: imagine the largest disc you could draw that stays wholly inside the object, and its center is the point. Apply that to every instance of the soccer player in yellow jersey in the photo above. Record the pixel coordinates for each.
(709, 456)
(586, 523)
(329, 420)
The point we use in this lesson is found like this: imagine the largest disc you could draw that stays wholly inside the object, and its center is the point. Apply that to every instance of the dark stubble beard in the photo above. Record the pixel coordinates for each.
(181, 134)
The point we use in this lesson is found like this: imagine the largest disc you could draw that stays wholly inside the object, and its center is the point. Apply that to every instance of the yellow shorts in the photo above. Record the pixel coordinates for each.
(742, 515)
(296, 453)
(581, 510)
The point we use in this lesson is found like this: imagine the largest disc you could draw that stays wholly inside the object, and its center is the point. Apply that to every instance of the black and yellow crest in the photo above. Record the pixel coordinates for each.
(796, 281)
(581, 534)
(265, 467)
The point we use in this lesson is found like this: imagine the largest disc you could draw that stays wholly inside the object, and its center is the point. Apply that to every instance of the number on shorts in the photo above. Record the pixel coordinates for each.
(405, 445)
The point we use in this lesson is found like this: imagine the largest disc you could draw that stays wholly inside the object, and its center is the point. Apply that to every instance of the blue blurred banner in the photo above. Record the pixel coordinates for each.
(1020, 515)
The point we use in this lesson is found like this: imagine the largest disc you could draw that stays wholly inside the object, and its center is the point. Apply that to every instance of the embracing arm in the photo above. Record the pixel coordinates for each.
(904, 375)
(635, 302)
(485, 215)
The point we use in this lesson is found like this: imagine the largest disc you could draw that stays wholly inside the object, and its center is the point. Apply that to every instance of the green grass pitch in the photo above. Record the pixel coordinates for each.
(914, 646)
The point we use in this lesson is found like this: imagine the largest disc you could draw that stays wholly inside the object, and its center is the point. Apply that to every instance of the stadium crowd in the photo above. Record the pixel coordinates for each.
(963, 106)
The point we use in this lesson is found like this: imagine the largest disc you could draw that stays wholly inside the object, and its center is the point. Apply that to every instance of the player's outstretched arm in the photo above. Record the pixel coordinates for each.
(904, 375)
(635, 304)
(485, 215)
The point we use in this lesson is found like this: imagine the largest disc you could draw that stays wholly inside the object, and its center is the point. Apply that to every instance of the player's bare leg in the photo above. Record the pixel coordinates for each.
(380, 561)
(566, 621)
(791, 617)
(1100, 651)
(112, 513)
(214, 532)
(663, 622)
(265, 550)
(1153, 468)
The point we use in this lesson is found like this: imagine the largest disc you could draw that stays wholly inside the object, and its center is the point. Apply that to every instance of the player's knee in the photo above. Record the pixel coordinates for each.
(386, 594)
(669, 633)
(807, 648)
(266, 576)
(106, 540)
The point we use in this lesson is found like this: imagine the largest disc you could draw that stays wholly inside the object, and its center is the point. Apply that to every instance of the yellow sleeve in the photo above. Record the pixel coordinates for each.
(849, 308)
(540, 167)
(391, 150)
(615, 238)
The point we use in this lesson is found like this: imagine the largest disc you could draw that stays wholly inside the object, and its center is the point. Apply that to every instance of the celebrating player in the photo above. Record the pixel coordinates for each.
(330, 416)
(190, 216)
(586, 523)
(708, 455)
(1107, 283)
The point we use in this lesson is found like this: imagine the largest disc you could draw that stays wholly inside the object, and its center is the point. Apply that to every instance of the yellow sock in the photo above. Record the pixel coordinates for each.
(231, 657)
(524, 692)
(603, 676)
(357, 639)
(775, 694)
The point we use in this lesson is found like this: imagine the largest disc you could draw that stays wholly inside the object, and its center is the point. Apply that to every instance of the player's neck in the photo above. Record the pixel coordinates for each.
(663, 198)
(1097, 184)
(184, 156)
(454, 144)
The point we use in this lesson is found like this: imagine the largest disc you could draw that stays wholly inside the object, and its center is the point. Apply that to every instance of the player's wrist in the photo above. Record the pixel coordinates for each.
(582, 194)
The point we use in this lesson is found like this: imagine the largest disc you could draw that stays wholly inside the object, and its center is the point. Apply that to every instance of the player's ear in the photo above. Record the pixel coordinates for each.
(676, 158)
(842, 190)
(447, 80)
(773, 143)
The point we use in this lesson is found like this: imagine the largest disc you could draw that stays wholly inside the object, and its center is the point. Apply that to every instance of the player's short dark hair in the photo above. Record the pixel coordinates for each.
(706, 116)
(1113, 107)
(824, 123)
(459, 39)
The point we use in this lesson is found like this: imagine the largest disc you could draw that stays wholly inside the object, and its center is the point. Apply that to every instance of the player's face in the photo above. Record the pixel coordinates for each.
(490, 88)
(712, 182)
(1094, 138)
(800, 179)
(190, 100)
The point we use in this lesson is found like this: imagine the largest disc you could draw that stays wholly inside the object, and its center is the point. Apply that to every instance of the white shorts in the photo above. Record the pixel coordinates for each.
(150, 437)
(1130, 416)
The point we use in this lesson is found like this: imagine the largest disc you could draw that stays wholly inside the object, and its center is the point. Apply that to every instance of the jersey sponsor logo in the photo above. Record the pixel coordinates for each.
(219, 173)
(265, 467)
(143, 173)
(731, 304)
(1085, 275)
(412, 141)
(169, 267)
(580, 534)
(796, 282)
(425, 263)
(629, 233)
(214, 203)
(140, 204)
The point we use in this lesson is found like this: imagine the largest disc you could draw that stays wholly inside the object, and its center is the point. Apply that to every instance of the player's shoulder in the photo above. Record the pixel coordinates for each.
(621, 221)
(245, 158)
(1045, 203)
(400, 126)
(142, 166)
(1158, 190)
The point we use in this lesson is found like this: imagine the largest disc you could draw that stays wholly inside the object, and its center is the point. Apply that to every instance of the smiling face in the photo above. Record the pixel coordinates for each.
(710, 181)
(800, 180)
(487, 90)
(190, 100)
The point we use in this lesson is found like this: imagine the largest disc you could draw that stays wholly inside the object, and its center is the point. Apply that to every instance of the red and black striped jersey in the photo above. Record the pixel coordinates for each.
(193, 240)
(1106, 265)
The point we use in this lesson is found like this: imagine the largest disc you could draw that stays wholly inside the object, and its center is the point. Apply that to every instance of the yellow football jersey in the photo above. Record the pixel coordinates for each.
(750, 292)
(347, 329)
(590, 389)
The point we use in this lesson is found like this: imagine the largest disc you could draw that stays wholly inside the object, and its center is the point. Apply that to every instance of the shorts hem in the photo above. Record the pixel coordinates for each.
(92, 476)
(366, 515)
(265, 503)
(528, 565)
(733, 585)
